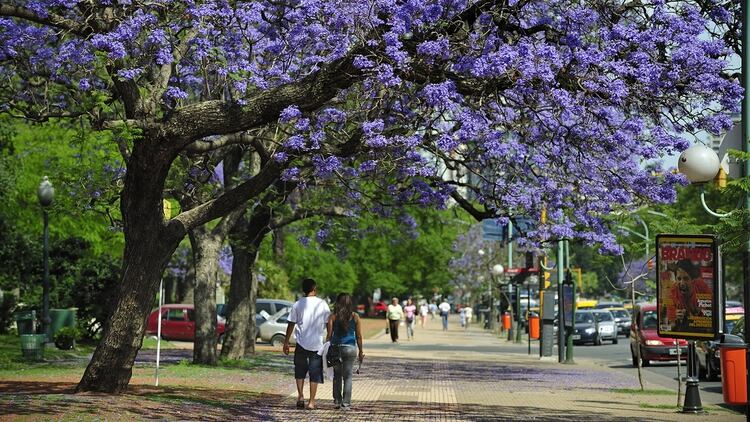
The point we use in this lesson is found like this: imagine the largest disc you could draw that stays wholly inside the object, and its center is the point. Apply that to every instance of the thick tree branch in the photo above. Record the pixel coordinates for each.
(478, 214)
(207, 118)
(227, 201)
(51, 19)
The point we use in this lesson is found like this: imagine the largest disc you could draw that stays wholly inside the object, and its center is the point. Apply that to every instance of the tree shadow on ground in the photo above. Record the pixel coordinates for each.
(44, 400)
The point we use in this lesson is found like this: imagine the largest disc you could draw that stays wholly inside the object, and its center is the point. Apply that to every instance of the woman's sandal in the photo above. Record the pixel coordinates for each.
(300, 404)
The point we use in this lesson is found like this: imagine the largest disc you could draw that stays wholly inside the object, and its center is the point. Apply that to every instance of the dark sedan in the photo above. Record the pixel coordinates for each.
(585, 328)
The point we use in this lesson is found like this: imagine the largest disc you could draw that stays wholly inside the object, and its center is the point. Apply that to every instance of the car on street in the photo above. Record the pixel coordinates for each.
(707, 351)
(274, 329)
(622, 320)
(594, 326)
(178, 322)
(644, 337)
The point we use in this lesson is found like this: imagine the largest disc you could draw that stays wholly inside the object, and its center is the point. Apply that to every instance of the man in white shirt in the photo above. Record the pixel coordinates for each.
(307, 319)
(445, 309)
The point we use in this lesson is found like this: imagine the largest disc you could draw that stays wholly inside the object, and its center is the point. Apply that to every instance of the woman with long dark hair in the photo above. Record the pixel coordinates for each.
(345, 335)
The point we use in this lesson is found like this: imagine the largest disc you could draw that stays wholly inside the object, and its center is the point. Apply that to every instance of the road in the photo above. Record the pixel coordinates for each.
(617, 356)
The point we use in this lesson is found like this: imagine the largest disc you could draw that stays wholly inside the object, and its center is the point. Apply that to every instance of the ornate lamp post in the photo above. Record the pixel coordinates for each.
(46, 195)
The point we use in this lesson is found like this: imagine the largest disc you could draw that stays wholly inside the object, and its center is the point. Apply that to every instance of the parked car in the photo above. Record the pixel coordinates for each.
(274, 329)
(644, 336)
(269, 306)
(379, 309)
(707, 351)
(622, 320)
(594, 326)
(178, 322)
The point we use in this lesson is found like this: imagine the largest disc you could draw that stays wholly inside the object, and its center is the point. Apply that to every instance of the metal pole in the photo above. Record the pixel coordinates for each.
(560, 304)
(569, 344)
(158, 330)
(45, 300)
(746, 174)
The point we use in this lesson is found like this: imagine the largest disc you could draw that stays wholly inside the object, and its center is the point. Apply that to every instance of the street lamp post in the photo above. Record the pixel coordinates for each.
(497, 270)
(46, 195)
(700, 164)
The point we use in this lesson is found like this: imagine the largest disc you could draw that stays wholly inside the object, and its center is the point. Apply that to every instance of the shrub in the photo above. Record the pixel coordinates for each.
(65, 338)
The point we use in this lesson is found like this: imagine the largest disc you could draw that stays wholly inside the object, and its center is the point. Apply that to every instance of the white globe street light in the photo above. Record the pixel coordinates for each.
(699, 163)
(497, 269)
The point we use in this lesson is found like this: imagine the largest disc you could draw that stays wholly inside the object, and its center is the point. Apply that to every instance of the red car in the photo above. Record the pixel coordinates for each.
(178, 322)
(379, 309)
(643, 335)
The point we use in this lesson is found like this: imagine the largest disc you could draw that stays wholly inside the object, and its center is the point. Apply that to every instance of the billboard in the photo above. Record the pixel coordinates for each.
(687, 286)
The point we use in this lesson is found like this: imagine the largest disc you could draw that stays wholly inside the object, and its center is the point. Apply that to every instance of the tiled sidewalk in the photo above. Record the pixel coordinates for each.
(458, 376)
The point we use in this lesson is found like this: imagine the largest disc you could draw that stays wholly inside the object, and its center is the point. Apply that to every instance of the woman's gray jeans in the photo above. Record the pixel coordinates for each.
(343, 372)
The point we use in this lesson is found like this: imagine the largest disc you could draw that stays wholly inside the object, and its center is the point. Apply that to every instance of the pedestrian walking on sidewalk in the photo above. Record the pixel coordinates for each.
(394, 316)
(433, 309)
(462, 317)
(423, 311)
(307, 320)
(469, 315)
(345, 335)
(410, 311)
(445, 310)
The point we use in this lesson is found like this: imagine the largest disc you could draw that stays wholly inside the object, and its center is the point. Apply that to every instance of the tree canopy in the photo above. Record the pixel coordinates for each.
(506, 107)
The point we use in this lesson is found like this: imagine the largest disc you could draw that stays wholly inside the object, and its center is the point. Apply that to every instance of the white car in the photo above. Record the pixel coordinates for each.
(607, 325)
(273, 330)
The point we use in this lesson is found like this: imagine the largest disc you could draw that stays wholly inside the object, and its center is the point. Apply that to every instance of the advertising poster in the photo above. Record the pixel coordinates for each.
(686, 272)
(568, 305)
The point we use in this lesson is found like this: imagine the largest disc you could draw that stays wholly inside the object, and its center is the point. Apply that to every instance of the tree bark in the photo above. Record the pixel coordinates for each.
(186, 286)
(148, 247)
(278, 244)
(241, 309)
(246, 241)
(206, 246)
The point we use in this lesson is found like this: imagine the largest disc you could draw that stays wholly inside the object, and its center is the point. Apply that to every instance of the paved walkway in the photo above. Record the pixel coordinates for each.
(474, 376)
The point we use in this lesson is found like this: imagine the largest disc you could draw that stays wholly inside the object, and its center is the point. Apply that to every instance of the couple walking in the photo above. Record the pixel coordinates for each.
(396, 314)
(344, 333)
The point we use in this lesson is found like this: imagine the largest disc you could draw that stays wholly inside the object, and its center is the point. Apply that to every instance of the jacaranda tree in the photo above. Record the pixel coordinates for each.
(523, 103)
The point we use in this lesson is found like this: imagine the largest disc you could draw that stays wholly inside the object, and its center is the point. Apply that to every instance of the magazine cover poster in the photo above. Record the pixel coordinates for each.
(686, 284)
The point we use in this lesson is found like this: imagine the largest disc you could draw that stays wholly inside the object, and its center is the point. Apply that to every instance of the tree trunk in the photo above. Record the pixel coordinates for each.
(148, 247)
(186, 286)
(240, 310)
(243, 291)
(206, 246)
(278, 244)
